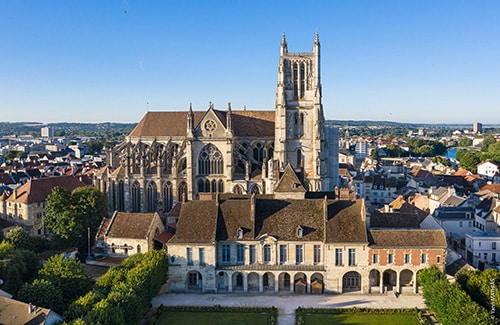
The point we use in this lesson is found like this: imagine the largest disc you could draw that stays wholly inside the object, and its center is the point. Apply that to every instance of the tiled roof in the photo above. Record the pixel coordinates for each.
(345, 222)
(37, 190)
(103, 228)
(130, 225)
(197, 222)
(17, 312)
(283, 217)
(289, 182)
(407, 238)
(495, 188)
(165, 236)
(235, 214)
(5, 179)
(245, 123)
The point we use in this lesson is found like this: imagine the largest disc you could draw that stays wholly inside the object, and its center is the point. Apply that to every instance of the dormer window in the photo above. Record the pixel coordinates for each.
(300, 232)
(239, 233)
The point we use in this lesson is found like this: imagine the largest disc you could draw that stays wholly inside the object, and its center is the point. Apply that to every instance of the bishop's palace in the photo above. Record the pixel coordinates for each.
(172, 156)
(252, 195)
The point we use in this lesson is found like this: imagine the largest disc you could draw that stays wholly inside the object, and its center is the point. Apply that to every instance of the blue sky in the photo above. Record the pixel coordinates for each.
(112, 61)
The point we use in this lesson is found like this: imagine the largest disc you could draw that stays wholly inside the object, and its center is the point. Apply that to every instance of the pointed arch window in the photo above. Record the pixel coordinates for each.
(182, 192)
(210, 161)
(152, 197)
(136, 197)
(220, 186)
(299, 158)
(121, 196)
(168, 198)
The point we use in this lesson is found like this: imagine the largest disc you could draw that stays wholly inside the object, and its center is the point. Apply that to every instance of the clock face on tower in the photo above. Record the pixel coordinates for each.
(210, 126)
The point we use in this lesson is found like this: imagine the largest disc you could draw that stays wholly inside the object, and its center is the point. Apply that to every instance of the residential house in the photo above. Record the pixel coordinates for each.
(15, 312)
(488, 169)
(483, 249)
(25, 205)
(130, 233)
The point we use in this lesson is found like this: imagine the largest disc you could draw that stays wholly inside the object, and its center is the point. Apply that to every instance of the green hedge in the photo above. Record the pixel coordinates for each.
(271, 311)
(449, 302)
(124, 293)
(300, 312)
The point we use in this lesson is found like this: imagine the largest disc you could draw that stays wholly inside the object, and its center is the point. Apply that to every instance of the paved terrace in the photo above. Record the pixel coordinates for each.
(287, 303)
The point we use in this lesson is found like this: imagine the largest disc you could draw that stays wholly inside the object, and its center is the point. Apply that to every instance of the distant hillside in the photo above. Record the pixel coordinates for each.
(73, 129)
(354, 123)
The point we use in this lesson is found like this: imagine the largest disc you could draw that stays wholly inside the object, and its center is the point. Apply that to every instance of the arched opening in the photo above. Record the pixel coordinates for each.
(300, 283)
(136, 197)
(374, 278)
(268, 281)
(237, 189)
(195, 281)
(254, 190)
(168, 198)
(220, 186)
(299, 159)
(406, 281)
(152, 197)
(237, 281)
(284, 282)
(253, 282)
(121, 196)
(389, 279)
(138, 248)
(351, 281)
(182, 192)
(317, 284)
(222, 281)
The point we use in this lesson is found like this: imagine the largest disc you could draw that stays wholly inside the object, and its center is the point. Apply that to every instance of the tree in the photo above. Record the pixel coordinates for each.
(19, 238)
(486, 142)
(17, 266)
(42, 293)
(66, 275)
(69, 214)
(469, 160)
(465, 142)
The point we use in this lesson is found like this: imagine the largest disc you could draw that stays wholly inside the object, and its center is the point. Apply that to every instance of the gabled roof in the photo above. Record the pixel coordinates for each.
(131, 225)
(289, 182)
(408, 238)
(495, 188)
(17, 312)
(245, 123)
(37, 190)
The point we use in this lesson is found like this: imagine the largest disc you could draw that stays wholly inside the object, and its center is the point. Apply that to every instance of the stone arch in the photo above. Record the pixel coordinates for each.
(374, 278)
(253, 282)
(268, 281)
(238, 189)
(300, 283)
(136, 197)
(406, 280)
(194, 281)
(351, 281)
(317, 284)
(255, 189)
(237, 279)
(151, 197)
(284, 282)
(389, 279)
(222, 281)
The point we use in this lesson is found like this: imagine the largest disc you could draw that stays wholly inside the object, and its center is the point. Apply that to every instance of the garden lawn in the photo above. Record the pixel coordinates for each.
(360, 319)
(211, 318)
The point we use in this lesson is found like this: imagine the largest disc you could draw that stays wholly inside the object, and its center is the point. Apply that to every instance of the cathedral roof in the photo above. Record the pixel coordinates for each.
(245, 123)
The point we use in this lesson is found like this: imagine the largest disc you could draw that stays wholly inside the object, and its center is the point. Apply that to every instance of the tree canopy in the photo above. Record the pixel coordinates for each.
(69, 214)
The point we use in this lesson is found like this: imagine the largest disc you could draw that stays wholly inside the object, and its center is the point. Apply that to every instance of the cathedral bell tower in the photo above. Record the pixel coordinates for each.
(299, 121)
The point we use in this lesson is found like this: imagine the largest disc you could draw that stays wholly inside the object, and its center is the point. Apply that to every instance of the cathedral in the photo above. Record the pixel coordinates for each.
(182, 155)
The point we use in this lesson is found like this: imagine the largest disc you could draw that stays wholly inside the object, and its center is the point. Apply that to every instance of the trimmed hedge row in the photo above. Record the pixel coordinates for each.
(122, 295)
(449, 302)
(300, 312)
(271, 311)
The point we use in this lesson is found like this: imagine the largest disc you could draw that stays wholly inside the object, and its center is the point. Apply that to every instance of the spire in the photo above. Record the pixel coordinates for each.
(284, 46)
(316, 39)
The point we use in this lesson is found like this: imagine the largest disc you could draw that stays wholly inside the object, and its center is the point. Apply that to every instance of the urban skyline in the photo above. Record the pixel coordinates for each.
(411, 62)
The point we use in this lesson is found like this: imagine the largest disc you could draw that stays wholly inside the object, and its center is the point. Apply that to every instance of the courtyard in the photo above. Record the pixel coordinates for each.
(287, 303)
